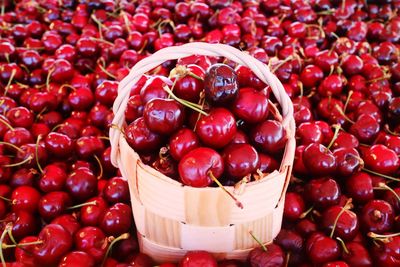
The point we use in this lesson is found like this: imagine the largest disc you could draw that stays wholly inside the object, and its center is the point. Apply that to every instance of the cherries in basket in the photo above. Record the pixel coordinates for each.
(204, 124)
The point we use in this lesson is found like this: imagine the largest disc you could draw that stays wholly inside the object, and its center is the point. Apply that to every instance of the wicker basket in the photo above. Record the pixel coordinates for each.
(172, 218)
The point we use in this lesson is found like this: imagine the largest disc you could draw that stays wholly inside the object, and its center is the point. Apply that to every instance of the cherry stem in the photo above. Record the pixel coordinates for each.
(114, 126)
(101, 40)
(83, 205)
(280, 64)
(100, 167)
(184, 102)
(3, 235)
(48, 78)
(9, 231)
(99, 25)
(113, 241)
(5, 199)
(202, 102)
(347, 101)
(337, 128)
(126, 21)
(258, 241)
(387, 129)
(106, 71)
(338, 108)
(5, 246)
(346, 207)
(383, 186)
(346, 250)
(30, 157)
(305, 213)
(237, 202)
(381, 175)
(379, 236)
(287, 259)
(13, 72)
(37, 154)
(6, 124)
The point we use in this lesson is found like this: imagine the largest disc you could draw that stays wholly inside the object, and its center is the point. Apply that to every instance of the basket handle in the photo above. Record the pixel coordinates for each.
(260, 69)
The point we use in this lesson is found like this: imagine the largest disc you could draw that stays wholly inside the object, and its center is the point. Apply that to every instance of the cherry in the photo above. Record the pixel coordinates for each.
(53, 204)
(240, 160)
(359, 187)
(200, 166)
(92, 241)
(116, 190)
(381, 159)
(319, 160)
(56, 243)
(348, 161)
(25, 198)
(385, 253)
(23, 224)
(309, 132)
(217, 129)
(322, 192)
(81, 184)
(377, 216)
(141, 259)
(198, 258)
(269, 255)
(75, 258)
(20, 117)
(294, 206)
(340, 222)
(269, 135)
(355, 254)
(59, 145)
(24, 254)
(69, 222)
(188, 81)
(311, 76)
(91, 215)
(220, 83)
(163, 116)
(321, 248)
(117, 219)
(250, 105)
(182, 142)
(140, 138)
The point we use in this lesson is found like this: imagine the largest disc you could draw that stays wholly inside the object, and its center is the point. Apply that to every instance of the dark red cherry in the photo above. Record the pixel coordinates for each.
(377, 216)
(322, 192)
(93, 241)
(269, 135)
(294, 206)
(348, 161)
(272, 256)
(117, 219)
(140, 138)
(321, 248)
(342, 221)
(220, 83)
(75, 258)
(319, 160)
(240, 160)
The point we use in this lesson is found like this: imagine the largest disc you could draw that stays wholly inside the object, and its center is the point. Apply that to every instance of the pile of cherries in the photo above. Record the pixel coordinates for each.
(62, 203)
(198, 126)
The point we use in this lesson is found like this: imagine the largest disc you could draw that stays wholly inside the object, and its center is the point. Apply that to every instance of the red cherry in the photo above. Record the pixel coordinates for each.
(76, 258)
(196, 167)
(140, 137)
(163, 116)
(198, 258)
(56, 243)
(183, 142)
(381, 159)
(377, 216)
(321, 248)
(217, 129)
(319, 160)
(92, 241)
(250, 105)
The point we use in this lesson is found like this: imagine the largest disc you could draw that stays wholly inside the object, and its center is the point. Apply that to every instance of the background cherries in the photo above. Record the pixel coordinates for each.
(61, 62)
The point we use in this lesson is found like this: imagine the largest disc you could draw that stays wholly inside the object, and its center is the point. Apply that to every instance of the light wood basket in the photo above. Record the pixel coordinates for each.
(171, 218)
